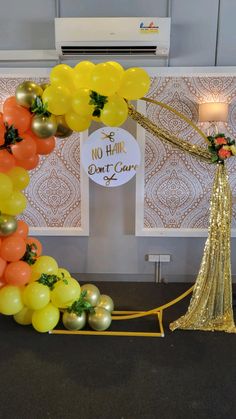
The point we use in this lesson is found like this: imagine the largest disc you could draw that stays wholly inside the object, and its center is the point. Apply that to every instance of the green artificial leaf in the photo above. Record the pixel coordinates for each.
(81, 305)
(11, 137)
(210, 138)
(65, 281)
(98, 101)
(97, 112)
(30, 254)
(214, 158)
(231, 141)
(48, 280)
(40, 108)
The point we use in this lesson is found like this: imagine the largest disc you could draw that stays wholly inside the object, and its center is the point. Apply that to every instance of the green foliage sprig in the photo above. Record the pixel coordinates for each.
(30, 255)
(81, 305)
(98, 101)
(39, 108)
(48, 280)
(11, 137)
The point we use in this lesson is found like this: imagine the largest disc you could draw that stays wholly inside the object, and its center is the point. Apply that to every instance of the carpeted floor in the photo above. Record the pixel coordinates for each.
(186, 375)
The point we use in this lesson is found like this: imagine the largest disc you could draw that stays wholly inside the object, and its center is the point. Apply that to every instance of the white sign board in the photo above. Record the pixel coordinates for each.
(111, 156)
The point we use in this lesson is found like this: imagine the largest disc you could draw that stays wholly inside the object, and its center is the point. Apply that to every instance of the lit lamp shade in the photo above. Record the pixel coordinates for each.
(213, 112)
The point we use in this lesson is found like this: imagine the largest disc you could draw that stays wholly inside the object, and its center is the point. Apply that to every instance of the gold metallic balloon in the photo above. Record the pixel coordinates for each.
(92, 294)
(72, 321)
(100, 319)
(27, 92)
(106, 302)
(8, 225)
(63, 131)
(44, 126)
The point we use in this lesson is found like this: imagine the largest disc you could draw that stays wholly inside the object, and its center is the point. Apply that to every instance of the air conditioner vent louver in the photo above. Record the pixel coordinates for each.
(107, 50)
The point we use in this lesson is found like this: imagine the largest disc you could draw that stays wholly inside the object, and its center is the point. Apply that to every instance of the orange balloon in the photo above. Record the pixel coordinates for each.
(45, 146)
(7, 161)
(3, 265)
(21, 231)
(38, 249)
(2, 283)
(17, 273)
(12, 249)
(9, 103)
(29, 163)
(17, 116)
(25, 148)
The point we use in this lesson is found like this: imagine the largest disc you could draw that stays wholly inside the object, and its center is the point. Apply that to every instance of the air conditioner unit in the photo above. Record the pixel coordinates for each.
(123, 36)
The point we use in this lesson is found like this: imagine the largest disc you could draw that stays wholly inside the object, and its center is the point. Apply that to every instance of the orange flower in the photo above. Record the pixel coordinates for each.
(220, 140)
(224, 154)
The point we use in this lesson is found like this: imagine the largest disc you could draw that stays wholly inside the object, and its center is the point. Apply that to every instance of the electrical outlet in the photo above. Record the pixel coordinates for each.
(153, 258)
(158, 258)
(164, 258)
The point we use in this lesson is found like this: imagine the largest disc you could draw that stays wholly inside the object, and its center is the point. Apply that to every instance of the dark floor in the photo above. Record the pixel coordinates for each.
(186, 375)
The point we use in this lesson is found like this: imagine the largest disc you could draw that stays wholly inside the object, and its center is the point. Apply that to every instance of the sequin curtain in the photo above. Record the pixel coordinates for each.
(211, 303)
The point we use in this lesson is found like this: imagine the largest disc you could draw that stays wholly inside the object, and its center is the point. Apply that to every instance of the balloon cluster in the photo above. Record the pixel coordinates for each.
(33, 288)
(99, 306)
(90, 91)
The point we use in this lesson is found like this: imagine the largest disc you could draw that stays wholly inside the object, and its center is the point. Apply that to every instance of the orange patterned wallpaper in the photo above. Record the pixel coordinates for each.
(55, 193)
(177, 186)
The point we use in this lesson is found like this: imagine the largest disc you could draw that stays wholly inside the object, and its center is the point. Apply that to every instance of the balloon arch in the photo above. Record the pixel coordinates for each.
(33, 288)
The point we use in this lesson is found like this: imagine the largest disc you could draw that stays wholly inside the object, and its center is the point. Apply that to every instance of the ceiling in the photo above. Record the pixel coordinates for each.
(203, 32)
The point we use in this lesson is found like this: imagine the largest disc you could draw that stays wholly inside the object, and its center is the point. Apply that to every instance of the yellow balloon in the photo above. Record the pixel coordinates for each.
(15, 204)
(117, 66)
(45, 319)
(105, 79)
(63, 273)
(135, 83)
(115, 111)
(24, 317)
(10, 300)
(80, 102)
(36, 296)
(19, 177)
(6, 186)
(62, 75)
(58, 99)
(82, 74)
(45, 265)
(77, 122)
(34, 276)
(65, 292)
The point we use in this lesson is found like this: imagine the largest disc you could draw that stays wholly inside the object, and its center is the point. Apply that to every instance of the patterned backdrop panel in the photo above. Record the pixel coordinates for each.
(176, 186)
(56, 193)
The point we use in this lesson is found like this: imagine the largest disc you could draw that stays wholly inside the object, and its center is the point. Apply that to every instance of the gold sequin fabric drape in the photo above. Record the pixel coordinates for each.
(211, 303)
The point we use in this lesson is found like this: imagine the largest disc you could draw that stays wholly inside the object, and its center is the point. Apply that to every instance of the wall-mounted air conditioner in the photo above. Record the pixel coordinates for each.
(123, 36)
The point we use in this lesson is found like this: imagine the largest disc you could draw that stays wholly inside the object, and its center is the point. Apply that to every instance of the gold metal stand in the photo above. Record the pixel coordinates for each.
(158, 314)
(128, 315)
